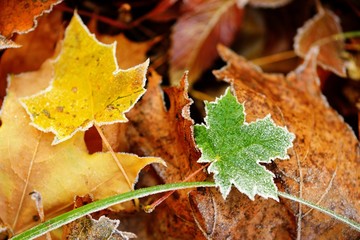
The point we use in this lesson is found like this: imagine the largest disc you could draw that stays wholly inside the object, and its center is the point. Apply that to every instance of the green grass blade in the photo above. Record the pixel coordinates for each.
(139, 193)
(103, 204)
(341, 218)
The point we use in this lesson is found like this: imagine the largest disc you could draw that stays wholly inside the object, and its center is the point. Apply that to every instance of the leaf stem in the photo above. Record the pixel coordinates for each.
(27, 180)
(277, 57)
(108, 146)
(339, 217)
(336, 37)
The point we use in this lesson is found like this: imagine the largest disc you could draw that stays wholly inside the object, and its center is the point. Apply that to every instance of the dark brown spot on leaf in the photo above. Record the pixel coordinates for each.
(60, 108)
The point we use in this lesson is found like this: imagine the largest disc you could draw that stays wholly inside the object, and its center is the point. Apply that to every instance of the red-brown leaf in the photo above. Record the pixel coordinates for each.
(197, 32)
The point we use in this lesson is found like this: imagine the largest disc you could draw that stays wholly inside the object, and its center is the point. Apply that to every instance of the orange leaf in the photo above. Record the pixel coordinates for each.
(19, 16)
(41, 43)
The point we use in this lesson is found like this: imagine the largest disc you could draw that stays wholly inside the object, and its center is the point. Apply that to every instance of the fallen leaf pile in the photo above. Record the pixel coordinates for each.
(99, 99)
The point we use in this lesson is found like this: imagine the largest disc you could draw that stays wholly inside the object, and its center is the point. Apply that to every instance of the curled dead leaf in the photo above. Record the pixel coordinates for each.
(318, 32)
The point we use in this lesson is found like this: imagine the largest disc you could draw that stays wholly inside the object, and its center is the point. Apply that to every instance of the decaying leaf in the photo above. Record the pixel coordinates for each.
(196, 34)
(153, 129)
(235, 148)
(318, 32)
(165, 131)
(28, 161)
(93, 92)
(19, 16)
(87, 228)
(325, 153)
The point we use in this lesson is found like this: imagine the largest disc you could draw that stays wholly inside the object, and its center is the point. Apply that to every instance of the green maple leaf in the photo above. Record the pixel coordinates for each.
(235, 148)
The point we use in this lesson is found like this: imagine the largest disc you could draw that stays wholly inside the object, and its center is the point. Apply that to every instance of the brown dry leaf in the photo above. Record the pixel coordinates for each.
(19, 16)
(87, 228)
(36, 47)
(314, 32)
(196, 33)
(28, 161)
(154, 129)
(166, 133)
(322, 167)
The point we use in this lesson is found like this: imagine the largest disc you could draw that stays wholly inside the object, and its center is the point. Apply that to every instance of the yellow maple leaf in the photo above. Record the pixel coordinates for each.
(29, 162)
(88, 87)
